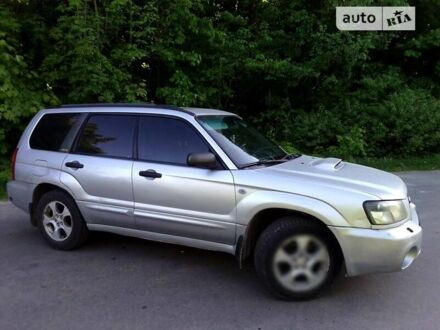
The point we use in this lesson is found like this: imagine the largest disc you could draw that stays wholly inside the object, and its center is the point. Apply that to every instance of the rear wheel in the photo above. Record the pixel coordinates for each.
(60, 221)
(297, 258)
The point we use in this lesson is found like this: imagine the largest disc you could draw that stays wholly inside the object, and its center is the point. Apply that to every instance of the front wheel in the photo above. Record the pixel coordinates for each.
(297, 258)
(60, 221)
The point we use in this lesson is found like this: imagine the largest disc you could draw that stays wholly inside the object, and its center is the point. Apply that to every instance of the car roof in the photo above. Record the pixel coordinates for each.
(139, 108)
(207, 111)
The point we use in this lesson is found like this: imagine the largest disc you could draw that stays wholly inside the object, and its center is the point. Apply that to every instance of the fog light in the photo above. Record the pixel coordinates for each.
(410, 257)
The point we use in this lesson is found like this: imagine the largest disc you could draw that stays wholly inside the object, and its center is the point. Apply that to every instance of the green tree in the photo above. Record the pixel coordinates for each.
(22, 93)
(280, 63)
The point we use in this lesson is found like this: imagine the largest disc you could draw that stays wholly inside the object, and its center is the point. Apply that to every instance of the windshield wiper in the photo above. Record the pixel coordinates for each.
(272, 161)
(263, 162)
(290, 156)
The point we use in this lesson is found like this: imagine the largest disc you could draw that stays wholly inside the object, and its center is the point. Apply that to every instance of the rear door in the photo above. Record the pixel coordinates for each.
(180, 200)
(101, 164)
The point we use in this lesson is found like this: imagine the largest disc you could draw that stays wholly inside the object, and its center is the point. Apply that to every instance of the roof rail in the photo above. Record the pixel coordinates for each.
(125, 105)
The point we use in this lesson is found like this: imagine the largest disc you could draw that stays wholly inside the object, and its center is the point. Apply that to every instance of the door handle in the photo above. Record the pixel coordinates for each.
(150, 174)
(74, 164)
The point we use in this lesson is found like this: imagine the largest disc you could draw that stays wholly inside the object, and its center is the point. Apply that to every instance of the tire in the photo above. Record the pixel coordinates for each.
(60, 221)
(297, 258)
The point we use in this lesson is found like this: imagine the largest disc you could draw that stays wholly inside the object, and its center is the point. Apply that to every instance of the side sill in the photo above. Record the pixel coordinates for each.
(164, 238)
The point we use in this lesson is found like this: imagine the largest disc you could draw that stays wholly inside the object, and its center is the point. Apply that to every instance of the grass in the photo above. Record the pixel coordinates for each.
(4, 177)
(390, 164)
(401, 164)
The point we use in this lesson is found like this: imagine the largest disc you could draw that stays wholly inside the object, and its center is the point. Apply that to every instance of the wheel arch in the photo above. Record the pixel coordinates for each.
(39, 191)
(261, 220)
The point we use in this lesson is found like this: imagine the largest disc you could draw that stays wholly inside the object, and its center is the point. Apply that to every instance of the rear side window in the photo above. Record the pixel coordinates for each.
(55, 132)
(108, 135)
(168, 140)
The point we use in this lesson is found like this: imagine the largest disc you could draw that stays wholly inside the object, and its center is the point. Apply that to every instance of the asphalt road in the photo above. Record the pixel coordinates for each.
(124, 283)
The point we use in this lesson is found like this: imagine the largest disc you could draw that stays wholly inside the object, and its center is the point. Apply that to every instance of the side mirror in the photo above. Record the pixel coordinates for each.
(203, 159)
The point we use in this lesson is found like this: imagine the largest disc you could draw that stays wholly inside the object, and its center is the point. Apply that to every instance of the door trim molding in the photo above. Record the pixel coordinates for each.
(200, 244)
(215, 224)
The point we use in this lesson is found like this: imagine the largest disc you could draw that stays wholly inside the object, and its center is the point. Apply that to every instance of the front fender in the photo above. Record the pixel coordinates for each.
(257, 201)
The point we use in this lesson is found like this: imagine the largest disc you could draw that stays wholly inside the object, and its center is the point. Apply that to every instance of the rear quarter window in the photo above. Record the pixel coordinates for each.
(108, 135)
(55, 131)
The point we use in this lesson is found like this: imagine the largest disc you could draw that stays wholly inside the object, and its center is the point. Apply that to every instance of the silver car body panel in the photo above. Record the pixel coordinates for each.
(103, 189)
(308, 185)
(159, 237)
(379, 250)
(212, 209)
(20, 193)
(186, 201)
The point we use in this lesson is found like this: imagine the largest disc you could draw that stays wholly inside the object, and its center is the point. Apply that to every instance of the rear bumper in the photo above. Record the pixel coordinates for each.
(20, 194)
(380, 250)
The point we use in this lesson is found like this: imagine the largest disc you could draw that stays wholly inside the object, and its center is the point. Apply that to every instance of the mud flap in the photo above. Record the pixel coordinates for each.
(239, 252)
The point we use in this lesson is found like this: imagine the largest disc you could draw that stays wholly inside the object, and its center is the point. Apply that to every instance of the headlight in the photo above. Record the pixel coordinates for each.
(385, 212)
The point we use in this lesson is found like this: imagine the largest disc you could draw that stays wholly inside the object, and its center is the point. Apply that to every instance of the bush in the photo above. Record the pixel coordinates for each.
(21, 92)
(4, 177)
(384, 117)
(281, 63)
(350, 145)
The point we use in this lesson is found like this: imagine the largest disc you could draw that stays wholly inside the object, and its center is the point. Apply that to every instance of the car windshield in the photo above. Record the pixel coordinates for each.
(241, 142)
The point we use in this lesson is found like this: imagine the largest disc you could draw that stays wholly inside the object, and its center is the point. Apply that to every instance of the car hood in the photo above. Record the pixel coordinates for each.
(333, 174)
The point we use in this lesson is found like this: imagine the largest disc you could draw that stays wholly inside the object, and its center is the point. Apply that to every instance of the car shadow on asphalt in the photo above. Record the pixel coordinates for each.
(211, 264)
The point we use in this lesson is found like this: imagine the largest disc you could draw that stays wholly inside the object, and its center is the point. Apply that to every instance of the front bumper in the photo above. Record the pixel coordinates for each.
(380, 250)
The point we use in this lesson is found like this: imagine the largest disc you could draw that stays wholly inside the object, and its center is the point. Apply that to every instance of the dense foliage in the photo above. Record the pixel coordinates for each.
(280, 63)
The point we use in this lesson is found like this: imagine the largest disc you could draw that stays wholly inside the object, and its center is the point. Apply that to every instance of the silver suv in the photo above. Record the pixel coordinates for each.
(205, 178)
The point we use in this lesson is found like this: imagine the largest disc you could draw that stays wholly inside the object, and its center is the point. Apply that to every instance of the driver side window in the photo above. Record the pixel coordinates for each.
(168, 140)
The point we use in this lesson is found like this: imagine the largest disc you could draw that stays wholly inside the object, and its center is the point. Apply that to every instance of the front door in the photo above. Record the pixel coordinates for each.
(100, 169)
(176, 199)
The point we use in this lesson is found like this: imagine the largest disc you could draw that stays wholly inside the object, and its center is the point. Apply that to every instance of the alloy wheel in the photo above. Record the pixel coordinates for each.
(301, 262)
(57, 221)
